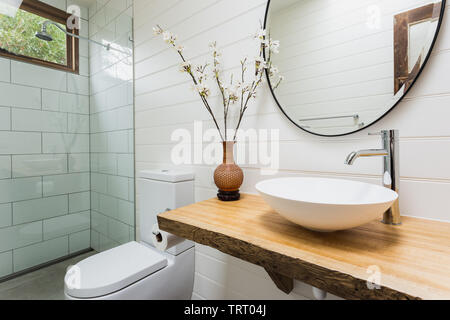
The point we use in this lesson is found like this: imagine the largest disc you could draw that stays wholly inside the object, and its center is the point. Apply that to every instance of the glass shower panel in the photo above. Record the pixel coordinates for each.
(44, 170)
(67, 148)
(112, 122)
(44, 164)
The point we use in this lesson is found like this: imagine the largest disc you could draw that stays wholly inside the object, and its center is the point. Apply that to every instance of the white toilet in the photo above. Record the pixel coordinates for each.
(138, 271)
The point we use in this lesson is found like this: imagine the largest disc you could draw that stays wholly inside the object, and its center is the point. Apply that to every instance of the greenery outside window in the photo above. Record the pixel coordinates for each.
(18, 41)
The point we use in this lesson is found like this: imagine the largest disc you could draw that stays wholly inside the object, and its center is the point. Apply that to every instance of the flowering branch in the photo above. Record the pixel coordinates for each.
(261, 64)
(230, 93)
(199, 83)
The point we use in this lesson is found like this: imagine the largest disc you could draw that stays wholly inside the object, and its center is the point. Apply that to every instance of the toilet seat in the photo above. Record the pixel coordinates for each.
(112, 270)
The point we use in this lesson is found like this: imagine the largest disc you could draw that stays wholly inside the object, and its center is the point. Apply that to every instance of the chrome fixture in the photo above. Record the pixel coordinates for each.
(44, 35)
(354, 117)
(391, 171)
(360, 125)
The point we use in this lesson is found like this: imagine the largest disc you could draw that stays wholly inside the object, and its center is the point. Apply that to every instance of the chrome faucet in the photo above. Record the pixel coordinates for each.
(391, 173)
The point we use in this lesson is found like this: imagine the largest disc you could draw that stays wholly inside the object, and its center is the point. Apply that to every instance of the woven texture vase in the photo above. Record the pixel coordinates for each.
(228, 176)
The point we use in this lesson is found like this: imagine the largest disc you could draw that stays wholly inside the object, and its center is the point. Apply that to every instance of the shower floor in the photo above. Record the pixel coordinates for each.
(43, 284)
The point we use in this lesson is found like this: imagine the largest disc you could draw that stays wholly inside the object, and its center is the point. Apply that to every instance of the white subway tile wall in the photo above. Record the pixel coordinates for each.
(6, 264)
(39, 209)
(164, 103)
(44, 162)
(5, 215)
(39, 253)
(111, 124)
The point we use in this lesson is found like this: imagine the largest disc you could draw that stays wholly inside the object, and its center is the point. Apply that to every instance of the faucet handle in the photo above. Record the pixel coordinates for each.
(385, 133)
(382, 133)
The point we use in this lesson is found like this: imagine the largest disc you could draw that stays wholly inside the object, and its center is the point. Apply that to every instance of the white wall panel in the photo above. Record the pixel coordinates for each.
(165, 102)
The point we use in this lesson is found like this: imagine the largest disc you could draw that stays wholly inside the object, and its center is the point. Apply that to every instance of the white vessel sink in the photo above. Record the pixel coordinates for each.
(326, 205)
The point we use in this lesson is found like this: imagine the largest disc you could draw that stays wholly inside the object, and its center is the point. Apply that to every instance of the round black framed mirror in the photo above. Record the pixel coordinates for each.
(348, 63)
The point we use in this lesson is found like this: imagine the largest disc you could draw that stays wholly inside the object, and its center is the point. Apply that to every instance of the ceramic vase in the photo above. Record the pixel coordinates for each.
(228, 177)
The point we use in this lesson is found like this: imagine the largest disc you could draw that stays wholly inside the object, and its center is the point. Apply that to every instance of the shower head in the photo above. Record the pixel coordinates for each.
(43, 34)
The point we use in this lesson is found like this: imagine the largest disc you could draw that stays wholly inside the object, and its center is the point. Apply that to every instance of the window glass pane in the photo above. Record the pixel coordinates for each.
(17, 36)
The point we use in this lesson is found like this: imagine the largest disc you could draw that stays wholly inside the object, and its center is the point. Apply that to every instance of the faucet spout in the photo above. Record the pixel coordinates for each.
(391, 175)
(351, 158)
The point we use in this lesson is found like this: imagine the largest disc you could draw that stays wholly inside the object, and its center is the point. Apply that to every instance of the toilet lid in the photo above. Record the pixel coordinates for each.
(112, 270)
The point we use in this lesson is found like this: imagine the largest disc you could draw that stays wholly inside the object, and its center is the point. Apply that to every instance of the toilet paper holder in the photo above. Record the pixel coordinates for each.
(158, 234)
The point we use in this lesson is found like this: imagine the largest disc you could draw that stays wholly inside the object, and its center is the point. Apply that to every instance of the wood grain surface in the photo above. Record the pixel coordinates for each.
(413, 259)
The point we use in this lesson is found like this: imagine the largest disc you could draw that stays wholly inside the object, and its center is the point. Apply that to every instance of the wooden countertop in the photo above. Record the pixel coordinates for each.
(414, 259)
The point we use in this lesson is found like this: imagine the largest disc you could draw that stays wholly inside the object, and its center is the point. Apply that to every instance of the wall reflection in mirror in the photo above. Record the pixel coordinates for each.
(346, 63)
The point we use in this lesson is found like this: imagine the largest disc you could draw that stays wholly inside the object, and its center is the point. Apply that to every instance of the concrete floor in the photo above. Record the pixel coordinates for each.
(43, 284)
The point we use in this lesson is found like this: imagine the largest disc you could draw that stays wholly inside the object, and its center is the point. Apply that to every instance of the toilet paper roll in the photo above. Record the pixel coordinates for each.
(164, 240)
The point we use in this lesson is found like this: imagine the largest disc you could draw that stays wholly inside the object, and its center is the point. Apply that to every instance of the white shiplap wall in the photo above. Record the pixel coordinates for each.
(165, 103)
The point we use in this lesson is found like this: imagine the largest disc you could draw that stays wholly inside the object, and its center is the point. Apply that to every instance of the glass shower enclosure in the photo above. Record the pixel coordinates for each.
(67, 147)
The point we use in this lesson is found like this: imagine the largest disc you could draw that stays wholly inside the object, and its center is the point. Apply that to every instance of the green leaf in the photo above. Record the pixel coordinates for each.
(17, 35)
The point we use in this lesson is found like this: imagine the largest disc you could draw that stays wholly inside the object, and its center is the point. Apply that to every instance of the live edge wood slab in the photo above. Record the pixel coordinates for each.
(413, 259)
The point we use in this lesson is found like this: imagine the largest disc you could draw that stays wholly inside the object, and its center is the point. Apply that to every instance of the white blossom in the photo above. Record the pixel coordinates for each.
(201, 76)
(227, 90)
(186, 66)
(274, 46)
(169, 37)
(234, 92)
(259, 59)
(261, 34)
(260, 63)
(243, 86)
(157, 31)
(233, 97)
(203, 90)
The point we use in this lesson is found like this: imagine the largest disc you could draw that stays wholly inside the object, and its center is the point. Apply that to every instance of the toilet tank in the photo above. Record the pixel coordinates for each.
(160, 191)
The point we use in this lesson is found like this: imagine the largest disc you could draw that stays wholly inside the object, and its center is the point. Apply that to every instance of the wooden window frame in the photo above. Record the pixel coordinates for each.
(402, 76)
(72, 43)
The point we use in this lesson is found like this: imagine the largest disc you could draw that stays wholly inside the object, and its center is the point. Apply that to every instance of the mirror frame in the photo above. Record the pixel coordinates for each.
(441, 17)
